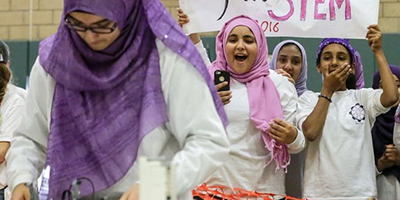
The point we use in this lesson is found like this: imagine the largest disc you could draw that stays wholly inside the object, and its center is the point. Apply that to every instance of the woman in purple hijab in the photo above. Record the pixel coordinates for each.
(337, 123)
(387, 157)
(289, 58)
(118, 80)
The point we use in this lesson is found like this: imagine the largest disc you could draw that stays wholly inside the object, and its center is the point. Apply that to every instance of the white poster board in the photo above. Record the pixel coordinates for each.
(295, 18)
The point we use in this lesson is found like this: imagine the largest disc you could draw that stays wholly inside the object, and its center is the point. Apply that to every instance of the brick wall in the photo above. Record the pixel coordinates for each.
(16, 17)
(389, 16)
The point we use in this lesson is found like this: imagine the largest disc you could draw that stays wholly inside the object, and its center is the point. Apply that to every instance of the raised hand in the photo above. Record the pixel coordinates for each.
(182, 17)
(374, 37)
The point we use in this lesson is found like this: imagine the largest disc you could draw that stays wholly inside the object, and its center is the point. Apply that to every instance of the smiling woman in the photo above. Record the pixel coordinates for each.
(241, 49)
(261, 107)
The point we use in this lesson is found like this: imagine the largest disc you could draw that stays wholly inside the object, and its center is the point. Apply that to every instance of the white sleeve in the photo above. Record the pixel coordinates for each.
(203, 53)
(372, 99)
(305, 106)
(11, 117)
(27, 153)
(194, 122)
(298, 144)
(288, 96)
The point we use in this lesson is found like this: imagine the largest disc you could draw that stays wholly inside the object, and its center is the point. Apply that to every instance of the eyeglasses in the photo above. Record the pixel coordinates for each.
(81, 28)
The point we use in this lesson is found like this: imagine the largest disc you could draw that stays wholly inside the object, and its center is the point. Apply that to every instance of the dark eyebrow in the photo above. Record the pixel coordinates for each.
(73, 19)
(284, 55)
(232, 35)
(98, 22)
(101, 21)
(326, 52)
(342, 52)
(248, 36)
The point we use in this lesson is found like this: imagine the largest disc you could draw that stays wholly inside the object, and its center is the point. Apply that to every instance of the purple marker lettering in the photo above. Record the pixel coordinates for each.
(285, 17)
(316, 14)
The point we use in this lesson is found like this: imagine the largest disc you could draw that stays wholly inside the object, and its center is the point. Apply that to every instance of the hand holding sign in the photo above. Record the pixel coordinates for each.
(374, 37)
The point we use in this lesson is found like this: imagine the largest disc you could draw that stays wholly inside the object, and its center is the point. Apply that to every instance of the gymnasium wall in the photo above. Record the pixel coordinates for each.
(26, 22)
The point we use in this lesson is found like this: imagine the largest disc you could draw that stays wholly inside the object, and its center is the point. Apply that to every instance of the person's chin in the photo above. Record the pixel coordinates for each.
(241, 68)
(99, 46)
(396, 104)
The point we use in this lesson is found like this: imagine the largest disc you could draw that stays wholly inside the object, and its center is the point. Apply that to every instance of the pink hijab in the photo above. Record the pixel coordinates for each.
(265, 103)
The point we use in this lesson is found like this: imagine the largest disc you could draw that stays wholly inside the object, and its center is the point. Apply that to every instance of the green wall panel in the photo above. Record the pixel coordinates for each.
(24, 54)
(19, 61)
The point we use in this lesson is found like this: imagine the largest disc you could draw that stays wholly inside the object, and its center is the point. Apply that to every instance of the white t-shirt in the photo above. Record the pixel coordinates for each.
(340, 163)
(194, 136)
(10, 112)
(246, 167)
(388, 187)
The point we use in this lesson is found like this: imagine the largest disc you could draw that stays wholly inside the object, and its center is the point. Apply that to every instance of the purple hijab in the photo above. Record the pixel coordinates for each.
(301, 82)
(382, 132)
(355, 57)
(105, 102)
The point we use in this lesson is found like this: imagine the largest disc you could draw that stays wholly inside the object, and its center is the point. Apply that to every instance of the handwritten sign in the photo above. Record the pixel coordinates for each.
(296, 18)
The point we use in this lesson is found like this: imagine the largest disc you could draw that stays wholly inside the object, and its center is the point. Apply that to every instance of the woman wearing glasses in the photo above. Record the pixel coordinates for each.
(107, 88)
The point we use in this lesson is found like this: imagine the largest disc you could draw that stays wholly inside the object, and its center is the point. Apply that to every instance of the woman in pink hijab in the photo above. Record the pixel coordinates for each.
(259, 105)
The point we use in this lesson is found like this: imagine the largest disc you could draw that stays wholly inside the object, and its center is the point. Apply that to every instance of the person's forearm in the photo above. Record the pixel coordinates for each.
(195, 38)
(4, 146)
(314, 124)
(390, 94)
(379, 166)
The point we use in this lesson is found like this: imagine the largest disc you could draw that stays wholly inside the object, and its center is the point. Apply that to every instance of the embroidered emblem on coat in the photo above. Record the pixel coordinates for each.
(357, 112)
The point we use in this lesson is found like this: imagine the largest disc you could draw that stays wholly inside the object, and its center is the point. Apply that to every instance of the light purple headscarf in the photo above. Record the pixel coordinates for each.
(301, 82)
(264, 99)
(105, 102)
(355, 57)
